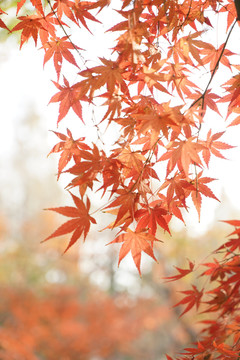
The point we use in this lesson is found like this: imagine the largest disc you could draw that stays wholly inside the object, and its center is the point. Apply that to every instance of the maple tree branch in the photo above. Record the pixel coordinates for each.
(189, 10)
(204, 93)
(145, 164)
(215, 67)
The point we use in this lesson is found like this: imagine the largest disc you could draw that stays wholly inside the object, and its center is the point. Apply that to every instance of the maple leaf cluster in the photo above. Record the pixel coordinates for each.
(154, 134)
(218, 300)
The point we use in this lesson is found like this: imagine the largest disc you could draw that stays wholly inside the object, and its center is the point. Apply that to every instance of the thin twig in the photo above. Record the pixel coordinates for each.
(215, 67)
(68, 36)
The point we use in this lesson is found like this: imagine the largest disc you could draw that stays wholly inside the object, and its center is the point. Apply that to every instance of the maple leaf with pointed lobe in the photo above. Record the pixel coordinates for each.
(213, 146)
(230, 9)
(183, 153)
(86, 169)
(215, 269)
(69, 97)
(211, 56)
(176, 185)
(70, 149)
(151, 77)
(193, 297)
(234, 243)
(136, 242)
(2, 24)
(225, 349)
(232, 86)
(232, 110)
(181, 272)
(64, 7)
(197, 188)
(36, 3)
(131, 160)
(156, 123)
(111, 173)
(186, 46)
(208, 100)
(149, 216)
(36, 26)
(79, 225)
(178, 79)
(109, 74)
(126, 204)
(100, 4)
(80, 10)
(30, 26)
(58, 48)
(173, 207)
(115, 102)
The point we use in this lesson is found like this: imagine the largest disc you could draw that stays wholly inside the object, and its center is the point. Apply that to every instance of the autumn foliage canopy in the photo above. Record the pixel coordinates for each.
(153, 96)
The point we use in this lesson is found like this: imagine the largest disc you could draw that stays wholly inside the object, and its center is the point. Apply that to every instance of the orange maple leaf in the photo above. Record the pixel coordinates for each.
(213, 146)
(109, 74)
(36, 3)
(181, 272)
(193, 297)
(197, 188)
(188, 45)
(175, 185)
(179, 79)
(80, 10)
(126, 204)
(62, 7)
(69, 147)
(211, 56)
(30, 26)
(69, 97)
(208, 100)
(88, 165)
(149, 216)
(80, 224)
(59, 48)
(183, 153)
(136, 242)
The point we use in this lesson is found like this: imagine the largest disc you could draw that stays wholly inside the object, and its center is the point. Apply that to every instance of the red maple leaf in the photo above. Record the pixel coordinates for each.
(59, 48)
(80, 10)
(213, 146)
(36, 3)
(80, 224)
(176, 185)
(193, 297)
(208, 100)
(126, 204)
(197, 188)
(69, 97)
(151, 216)
(30, 26)
(62, 7)
(183, 153)
(2, 24)
(70, 148)
(136, 242)
(182, 272)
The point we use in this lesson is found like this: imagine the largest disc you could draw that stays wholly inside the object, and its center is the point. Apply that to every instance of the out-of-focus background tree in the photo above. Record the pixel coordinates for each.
(76, 306)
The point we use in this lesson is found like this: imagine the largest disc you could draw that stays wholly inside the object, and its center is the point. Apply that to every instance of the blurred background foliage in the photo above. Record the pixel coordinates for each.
(80, 305)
